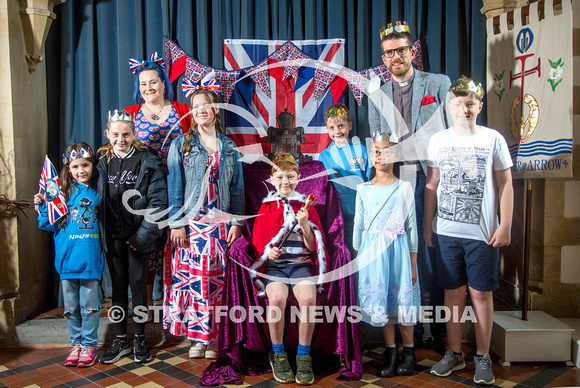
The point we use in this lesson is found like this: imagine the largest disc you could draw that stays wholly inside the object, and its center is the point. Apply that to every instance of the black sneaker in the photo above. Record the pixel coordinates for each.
(140, 349)
(118, 349)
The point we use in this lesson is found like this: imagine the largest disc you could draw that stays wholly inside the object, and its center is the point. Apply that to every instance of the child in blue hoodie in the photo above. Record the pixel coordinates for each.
(349, 160)
(78, 255)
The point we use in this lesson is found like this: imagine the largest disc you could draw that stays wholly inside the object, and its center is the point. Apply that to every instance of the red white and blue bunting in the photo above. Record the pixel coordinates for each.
(292, 59)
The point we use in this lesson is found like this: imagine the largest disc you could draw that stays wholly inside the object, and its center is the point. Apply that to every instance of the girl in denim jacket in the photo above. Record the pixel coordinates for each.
(205, 187)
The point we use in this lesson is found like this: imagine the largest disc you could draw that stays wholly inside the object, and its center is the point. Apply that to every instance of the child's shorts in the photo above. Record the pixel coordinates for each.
(462, 261)
(287, 270)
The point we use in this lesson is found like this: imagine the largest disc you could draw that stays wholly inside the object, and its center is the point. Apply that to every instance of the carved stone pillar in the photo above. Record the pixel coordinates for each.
(26, 263)
(36, 17)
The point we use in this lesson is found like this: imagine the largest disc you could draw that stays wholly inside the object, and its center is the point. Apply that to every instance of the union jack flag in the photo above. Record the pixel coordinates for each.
(267, 98)
(50, 187)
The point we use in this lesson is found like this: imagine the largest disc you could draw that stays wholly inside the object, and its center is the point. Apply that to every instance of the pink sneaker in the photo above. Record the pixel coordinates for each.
(87, 358)
(73, 356)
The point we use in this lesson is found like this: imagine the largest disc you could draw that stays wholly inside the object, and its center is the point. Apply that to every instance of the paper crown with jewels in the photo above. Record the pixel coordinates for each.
(83, 153)
(120, 115)
(399, 27)
(468, 86)
(337, 112)
(284, 156)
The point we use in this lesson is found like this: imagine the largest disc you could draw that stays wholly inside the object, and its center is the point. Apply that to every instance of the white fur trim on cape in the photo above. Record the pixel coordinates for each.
(289, 218)
(275, 196)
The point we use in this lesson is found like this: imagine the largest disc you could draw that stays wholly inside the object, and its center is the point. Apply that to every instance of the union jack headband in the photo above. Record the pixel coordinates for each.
(135, 64)
(188, 86)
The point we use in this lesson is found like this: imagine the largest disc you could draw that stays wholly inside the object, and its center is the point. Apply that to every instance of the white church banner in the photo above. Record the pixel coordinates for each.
(529, 96)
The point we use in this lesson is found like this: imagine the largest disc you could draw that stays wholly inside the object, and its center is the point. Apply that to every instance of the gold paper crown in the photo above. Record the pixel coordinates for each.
(336, 112)
(120, 115)
(399, 28)
(468, 86)
(284, 156)
(83, 153)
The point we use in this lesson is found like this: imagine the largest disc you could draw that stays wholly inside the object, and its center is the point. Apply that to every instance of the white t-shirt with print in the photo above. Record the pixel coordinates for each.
(467, 202)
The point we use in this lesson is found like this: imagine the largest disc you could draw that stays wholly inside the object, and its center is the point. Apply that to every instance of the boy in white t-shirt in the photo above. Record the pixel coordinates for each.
(468, 177)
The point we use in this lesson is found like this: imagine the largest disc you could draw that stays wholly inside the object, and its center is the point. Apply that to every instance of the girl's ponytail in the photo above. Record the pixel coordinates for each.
(187, 143)
(218, 124)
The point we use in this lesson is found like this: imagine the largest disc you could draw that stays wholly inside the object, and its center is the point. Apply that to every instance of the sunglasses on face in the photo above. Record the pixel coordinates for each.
(403, 50)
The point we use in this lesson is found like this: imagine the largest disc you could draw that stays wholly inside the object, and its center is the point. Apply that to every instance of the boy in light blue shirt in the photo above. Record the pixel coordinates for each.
(349, 160)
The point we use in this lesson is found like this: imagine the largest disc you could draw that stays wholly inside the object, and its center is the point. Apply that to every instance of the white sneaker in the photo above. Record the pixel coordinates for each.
(197, 350)
(212, 350)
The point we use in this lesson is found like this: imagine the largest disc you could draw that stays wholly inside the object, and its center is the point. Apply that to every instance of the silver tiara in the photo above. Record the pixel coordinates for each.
(120, 115)
(381, 136)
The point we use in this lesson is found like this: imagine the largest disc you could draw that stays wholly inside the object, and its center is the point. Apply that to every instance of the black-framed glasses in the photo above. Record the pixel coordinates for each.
(382, 152)
(400, 50)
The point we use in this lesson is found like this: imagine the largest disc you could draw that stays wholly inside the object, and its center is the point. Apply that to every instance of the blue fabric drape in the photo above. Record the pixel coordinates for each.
(90, 42)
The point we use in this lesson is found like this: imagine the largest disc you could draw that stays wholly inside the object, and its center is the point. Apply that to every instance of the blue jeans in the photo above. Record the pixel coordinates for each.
(82, 310)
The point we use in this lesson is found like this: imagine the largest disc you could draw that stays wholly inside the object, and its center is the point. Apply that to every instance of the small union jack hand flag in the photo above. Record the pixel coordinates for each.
(50, 186)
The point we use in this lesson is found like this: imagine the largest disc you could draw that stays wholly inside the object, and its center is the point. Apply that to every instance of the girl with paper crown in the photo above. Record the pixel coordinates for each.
(131, 183)
(78, 255)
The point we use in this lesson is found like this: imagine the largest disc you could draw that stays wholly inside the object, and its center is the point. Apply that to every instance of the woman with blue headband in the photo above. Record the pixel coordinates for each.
(158, 121)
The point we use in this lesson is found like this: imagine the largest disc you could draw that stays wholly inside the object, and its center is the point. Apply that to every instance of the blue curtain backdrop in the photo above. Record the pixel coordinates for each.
(91, 40)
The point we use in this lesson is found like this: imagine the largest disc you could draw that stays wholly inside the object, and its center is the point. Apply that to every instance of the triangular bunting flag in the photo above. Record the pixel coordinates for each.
(260, 75)
(323, 76)
(337, 88)
(418, 60)
(245, 86)
(382, 72)
(175, 59)
(195, 70)
(226, 79)
(305, 74)
(356, 82)
(295, 59)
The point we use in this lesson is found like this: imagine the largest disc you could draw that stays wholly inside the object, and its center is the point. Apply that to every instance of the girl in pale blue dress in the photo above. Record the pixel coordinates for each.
(385, 236)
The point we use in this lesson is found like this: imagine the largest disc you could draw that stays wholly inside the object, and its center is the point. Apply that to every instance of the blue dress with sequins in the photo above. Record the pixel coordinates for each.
(384, 235)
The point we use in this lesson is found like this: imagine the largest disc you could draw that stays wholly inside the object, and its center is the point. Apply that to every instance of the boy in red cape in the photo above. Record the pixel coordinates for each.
(295, 267)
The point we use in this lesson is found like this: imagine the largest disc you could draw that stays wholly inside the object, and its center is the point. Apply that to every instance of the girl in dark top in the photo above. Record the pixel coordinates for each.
(130, 181)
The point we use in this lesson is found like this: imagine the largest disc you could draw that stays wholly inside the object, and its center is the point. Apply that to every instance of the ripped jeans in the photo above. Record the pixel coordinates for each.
(82, 310)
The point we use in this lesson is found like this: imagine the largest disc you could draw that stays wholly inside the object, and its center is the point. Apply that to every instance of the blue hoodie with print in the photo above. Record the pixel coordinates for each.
(78, 253)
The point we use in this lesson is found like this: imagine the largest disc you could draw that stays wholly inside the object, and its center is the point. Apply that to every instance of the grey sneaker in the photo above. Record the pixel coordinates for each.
(448, 364)
(304, 373)
(281, 367)
(483, 372)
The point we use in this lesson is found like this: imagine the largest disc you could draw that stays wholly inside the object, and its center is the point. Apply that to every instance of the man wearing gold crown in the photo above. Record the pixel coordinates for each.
(411, 106)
